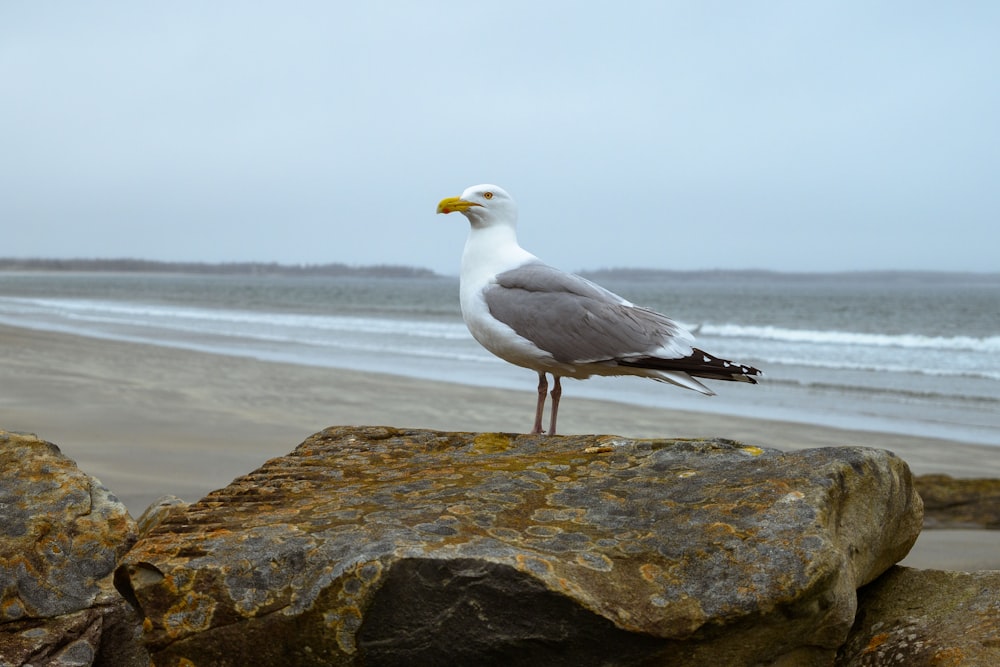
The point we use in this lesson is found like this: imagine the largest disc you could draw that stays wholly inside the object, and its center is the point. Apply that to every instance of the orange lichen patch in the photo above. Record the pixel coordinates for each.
(609, 497)
(650, 572)
(344, 623)
(533, 565)
(719, 527)
(502, 533)
(751, 450)
(356, 581)
(791, 496)
(49, 546)
(369, 572)
(191, 613)
(550, 514)
(11, 609)
(490, 443)
(595, 561)
(570, 587)
(948, 657)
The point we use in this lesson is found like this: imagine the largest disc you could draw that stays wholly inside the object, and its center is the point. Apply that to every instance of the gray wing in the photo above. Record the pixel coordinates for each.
(577, 321)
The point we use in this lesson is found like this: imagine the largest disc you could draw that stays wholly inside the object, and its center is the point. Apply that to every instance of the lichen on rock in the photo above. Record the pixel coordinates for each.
(63, 534)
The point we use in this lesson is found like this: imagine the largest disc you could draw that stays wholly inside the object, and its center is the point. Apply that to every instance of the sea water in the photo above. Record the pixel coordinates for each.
(917, 354)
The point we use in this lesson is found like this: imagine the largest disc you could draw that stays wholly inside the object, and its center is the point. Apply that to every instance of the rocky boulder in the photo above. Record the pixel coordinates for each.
(925, 618)
(378, 546)
(959, 503)
(62, 535)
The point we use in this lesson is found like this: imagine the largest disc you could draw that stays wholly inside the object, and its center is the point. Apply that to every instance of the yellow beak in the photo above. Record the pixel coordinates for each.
(452, 204)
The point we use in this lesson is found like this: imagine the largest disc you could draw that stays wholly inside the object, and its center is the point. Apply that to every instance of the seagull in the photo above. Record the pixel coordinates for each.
(538, 317)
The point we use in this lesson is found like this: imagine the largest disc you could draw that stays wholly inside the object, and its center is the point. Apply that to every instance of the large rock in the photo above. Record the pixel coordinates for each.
(959, 503)
(63, 533)
(377, 546)
(925, 618)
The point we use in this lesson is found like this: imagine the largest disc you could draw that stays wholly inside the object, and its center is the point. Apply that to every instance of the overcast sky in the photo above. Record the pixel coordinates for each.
(688, 135)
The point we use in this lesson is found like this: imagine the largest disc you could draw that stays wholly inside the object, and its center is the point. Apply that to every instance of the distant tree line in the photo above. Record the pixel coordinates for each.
(124, 265)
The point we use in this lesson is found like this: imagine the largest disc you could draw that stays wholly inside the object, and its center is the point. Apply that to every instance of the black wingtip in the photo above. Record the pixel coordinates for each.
(700, 364)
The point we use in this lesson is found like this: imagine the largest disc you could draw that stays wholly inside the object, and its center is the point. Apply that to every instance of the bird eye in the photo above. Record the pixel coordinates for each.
(488, 195)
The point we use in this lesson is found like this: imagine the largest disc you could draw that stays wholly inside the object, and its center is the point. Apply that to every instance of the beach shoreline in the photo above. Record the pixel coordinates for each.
(150, 421)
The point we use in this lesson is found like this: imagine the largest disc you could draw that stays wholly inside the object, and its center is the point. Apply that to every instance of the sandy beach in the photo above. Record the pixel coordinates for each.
(150, 421)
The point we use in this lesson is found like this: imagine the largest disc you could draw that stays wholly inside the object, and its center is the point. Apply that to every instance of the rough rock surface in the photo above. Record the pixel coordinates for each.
(959, 503)
(155, 514)
(378, 546)
(63, 533)
(920, 618)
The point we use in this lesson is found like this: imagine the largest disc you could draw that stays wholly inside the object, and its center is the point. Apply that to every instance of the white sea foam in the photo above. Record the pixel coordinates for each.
(883, 353)
(847, 364)
(223, 321)
(989, 344)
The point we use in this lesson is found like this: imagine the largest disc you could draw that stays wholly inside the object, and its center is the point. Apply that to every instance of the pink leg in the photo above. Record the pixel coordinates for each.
(543, 387)
(556, 393)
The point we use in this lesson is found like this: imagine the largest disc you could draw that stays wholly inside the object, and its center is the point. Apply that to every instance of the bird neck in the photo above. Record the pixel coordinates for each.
(492, 250)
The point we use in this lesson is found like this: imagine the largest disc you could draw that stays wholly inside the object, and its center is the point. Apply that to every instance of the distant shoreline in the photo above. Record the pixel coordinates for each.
(128, 265)
(132, 265)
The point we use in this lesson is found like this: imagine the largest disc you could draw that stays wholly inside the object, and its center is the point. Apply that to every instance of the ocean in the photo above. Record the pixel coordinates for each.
(908, 353)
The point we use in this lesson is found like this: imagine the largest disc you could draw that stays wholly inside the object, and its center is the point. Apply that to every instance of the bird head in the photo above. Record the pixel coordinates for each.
(483, 205)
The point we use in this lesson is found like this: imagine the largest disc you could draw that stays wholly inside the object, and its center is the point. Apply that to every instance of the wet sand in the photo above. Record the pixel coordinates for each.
(150, 421)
